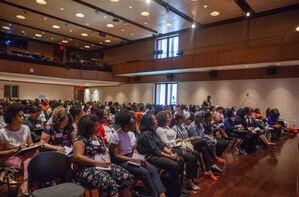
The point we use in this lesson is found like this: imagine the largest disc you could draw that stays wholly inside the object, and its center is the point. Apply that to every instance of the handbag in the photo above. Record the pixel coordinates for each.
(185, 145)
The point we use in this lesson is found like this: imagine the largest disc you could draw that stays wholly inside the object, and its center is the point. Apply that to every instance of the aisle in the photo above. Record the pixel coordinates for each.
(270, 173)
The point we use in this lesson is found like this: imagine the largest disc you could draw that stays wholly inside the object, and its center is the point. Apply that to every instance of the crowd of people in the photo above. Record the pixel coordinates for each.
(151, 142)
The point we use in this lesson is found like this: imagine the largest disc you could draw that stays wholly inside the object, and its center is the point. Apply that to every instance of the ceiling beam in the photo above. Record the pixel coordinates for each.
(60, 19)
(245, 7)
(177, 12)
(66, 36)
(114, 15)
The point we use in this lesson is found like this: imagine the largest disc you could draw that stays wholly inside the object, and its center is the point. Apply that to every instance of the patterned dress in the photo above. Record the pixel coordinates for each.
(106, 181)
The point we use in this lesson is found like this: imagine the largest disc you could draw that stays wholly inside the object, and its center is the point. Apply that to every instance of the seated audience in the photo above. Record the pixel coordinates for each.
(34, 123)
(57, 135)
(157, 153)
(123, 146)
(87, 146)
(105, 130)
(178, 146)
(13, 138)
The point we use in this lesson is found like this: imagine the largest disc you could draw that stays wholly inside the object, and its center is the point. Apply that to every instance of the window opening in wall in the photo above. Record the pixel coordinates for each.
(167, 47)
(11, 91)
(166, 93)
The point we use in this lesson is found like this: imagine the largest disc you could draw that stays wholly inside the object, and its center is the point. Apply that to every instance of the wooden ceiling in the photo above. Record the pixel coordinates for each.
(125, 16)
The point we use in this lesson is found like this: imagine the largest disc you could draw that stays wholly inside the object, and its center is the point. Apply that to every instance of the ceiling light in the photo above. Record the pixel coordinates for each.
(43, 32)
(87, 24)
(107, 41)
(52, 38)
(114, 1)
(45, 18)
(38, 35)
(219, 68)
(148, 1)
(84, 34)
(33, 37)
(105, 16)
(132, 34)
(144, 14)
(205, 6)
(70, 39)
(193, 26)
(71, 30)
(92, 45)
(23, 32)
(130, 7)
(55, 26)
(109, 25)
(80, 15)
(64, 41)
(61, 9)
(247, 14)
(87, 46)
(145, 23)
(101, 42)
(9, 25)
(42, 2)
(297, 28)
(215, 13)
(168, 24)
(122, 30)
(5, 27)
(21, 17)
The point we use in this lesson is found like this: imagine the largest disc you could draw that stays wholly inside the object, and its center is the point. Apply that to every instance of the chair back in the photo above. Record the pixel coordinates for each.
(48, 166)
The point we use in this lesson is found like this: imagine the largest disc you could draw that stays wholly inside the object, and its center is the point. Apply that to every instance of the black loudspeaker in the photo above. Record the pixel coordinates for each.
(169, 77)
(101, 54)
(272, 70)
(179, 53)
(136, 78)
(213, 73)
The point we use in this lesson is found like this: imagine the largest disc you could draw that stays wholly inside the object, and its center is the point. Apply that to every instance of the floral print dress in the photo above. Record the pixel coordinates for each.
(106, 181)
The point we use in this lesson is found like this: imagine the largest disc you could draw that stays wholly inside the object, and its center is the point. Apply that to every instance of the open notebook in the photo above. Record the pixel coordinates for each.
(136, 156)
(27, 149)
(102, 158)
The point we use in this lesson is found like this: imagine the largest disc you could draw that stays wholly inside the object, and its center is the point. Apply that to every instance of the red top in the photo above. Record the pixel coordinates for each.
(101, 131)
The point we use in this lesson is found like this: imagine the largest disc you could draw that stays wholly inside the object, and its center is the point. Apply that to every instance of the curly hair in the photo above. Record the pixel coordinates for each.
(123, 117)
(86, 123)
(59, 117)
(162, 118)
(11, 111)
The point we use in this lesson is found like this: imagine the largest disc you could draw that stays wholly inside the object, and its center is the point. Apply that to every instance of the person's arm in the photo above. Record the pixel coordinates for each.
(80, 158)
(117, 155)
(44, 140)
(167, 153)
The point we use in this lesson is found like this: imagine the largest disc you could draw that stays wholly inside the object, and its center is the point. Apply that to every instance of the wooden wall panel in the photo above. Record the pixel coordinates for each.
(51, 71)
(183, 62)
(163, 64)
(206, 59)
(255, 73)
(291, 51)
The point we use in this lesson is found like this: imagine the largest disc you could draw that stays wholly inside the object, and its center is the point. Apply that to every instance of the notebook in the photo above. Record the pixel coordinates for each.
(102, 158)
(136, 156)
(27, 149)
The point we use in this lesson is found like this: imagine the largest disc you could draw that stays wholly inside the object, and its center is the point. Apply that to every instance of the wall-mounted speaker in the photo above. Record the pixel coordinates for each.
(169, 77)
(101, 54)
(272, 70)
(213, 73)
(179, 53)
(136, 78)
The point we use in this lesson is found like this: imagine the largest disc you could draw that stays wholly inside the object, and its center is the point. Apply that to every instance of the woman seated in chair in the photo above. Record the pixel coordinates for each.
(58, 134)
(217, 132)
(105, 130)
(169, 137)
(122, 146)
(193, 136)
(87, 147)
(157, 153)
(13, 138)
(34, 123)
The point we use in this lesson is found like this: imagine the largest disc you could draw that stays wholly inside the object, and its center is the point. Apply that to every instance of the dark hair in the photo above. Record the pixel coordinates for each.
(100, 112)
(11, 111)
(257, 110)
(146, 123)
(228, 113)
(75, 110)
(162, 118)
(34, 109)
(123, 117)
(241, 112)
(86, 123)
(208, 114)
(112, 110)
